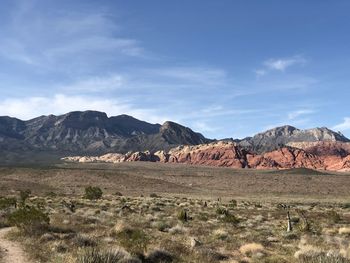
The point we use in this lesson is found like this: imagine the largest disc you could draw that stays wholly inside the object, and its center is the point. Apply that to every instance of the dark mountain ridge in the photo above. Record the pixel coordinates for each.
(90, 132)
(94, 133)
(277, 137)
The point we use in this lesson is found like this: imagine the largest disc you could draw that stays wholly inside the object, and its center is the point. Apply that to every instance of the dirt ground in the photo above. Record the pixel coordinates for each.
(141, 178)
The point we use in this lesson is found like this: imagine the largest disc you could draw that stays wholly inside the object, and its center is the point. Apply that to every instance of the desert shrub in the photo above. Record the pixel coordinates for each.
(182, 216)
(251, 248)
(230, 218)
(226, 216)
(84, 241)
(345, 206)
(307, 225)
(322, 258)
(344, 231)
(159, 256)
(133, 240)
(161, 226)
(211, 255)
(23, 196)
(233, 203)
(333, 216)
(51, 194)
(29, 219)
(203, 217)
(93, 193)
(221, 211)
(98, 256)
(7, 202)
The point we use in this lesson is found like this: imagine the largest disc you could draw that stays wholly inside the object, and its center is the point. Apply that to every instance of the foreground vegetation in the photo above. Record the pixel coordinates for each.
(115, 228)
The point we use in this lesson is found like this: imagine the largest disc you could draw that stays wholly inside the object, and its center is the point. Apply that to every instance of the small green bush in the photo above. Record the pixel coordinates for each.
(229, 218)
(134, 241)
(98, 256)
(345, 206)
(226, 216)
(323, 258)
(222, 211)
(333, 216)
(182, 216)
(84, 241)
(8, 202)
(30, 219)
(93, 193)
(23, 196)
(233, 203)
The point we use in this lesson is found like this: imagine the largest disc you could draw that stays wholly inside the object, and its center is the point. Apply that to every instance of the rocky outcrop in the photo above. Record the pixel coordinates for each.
(90, 133)
(334, 155)
(285, 158)
(276, 138)
(229, 154)
(215, 154)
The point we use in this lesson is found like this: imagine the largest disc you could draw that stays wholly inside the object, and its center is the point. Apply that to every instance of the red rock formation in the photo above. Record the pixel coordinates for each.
(325, 156)
(285, 158)
(216, 154)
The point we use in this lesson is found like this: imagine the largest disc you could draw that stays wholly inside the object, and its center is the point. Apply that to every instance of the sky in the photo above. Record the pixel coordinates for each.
(223, 68)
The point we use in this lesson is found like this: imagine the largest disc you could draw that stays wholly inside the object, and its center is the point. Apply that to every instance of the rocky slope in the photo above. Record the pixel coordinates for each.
(229, 154)
(124, 138)
(278, 137)
(89, 132)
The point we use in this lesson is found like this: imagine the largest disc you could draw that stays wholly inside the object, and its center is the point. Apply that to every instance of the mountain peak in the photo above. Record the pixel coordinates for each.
(178, 134)
(275, 138)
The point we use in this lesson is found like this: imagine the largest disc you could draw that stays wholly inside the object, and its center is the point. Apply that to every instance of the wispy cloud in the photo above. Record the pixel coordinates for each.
(295, 114)
(203, 126)
(60, 104)
(50, 38)
(96, 84)
(344, 126)
(279, 64)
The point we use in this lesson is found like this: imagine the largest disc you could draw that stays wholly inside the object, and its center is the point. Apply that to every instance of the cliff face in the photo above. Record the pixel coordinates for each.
(228, 154)
(276, 138)
(89, 133)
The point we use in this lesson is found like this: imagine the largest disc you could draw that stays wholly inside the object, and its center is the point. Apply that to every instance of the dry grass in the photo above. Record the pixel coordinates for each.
(154, 229)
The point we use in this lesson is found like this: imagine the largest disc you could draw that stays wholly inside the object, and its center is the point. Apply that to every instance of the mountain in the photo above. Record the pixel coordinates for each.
(276, 138)
(89, 132)
(93, 133)
(229, 154)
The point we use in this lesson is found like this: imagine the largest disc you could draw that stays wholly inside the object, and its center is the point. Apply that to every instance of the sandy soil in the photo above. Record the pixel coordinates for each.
(140, 178)
(11, 251)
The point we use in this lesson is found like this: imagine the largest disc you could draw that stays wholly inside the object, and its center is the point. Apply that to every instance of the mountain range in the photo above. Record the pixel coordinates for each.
(92, 133)
(88, 132)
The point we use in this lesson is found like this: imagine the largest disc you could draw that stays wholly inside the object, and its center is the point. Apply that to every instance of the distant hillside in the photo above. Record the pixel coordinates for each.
(93, 133)
(276, 138)
(89, 132)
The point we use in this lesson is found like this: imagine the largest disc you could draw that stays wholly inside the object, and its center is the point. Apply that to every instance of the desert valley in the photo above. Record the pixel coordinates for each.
(117, 189)
(188, 131)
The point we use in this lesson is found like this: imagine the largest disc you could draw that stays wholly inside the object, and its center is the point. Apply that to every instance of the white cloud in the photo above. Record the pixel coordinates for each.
(260, 72)
(199, 75)
(282, 64)
(344, 126)
(295, 114)
(31, 107)
(203, 127)
(96, 84)
(50, 37)
(279, 64)
(128, 47)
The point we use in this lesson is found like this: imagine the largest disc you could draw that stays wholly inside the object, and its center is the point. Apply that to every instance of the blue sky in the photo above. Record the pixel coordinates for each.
(224, 68)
